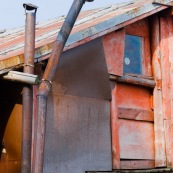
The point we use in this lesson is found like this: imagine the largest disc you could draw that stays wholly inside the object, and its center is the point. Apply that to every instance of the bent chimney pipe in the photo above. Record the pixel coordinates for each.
(46, 83)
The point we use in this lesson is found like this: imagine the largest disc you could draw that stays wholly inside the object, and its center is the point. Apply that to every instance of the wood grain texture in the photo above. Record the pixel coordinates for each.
(166, 33)
(137, 164)
(133, 80)
(77, 135)
(113, 44)
(115, 128)
(135, 114)
(160, 155)
(136, 140)
(134, 97)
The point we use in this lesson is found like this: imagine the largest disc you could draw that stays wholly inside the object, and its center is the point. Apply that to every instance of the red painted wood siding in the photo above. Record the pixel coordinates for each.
(113, 44)
(166, 33)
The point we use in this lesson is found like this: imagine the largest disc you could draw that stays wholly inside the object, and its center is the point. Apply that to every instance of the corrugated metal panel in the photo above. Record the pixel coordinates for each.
(90, 25)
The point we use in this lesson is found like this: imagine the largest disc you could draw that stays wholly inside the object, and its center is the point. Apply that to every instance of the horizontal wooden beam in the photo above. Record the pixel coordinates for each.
(135, 114)
(168, 170)
(134, 80)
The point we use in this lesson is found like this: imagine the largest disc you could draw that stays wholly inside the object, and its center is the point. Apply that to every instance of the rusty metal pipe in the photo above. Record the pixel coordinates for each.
(28, 90)
(45, 86)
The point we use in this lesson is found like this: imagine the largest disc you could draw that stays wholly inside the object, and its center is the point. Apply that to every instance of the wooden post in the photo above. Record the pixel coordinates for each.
(115, 127)
(160, 155)
(166, 33)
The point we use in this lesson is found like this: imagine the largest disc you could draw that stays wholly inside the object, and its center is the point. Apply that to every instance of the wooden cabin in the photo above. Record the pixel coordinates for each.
(110, 109)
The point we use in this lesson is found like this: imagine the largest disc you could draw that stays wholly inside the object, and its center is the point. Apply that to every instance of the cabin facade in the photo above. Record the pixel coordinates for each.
(110, 107)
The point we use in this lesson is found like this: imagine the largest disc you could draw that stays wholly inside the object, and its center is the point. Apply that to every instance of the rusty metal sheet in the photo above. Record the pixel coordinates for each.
(83, 72)
(77, 135)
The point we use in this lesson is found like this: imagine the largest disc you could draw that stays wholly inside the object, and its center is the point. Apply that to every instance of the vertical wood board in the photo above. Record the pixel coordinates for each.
(115, 130)
(113, 44)
(166, 25)
(160, 155)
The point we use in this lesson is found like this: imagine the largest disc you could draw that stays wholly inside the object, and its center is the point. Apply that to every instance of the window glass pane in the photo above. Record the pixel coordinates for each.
(132, 54)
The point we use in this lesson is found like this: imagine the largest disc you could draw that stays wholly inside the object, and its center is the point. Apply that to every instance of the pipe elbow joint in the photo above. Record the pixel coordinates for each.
(44, 89)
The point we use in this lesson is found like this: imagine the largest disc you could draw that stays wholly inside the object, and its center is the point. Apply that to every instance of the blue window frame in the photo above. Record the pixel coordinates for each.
(133, 54)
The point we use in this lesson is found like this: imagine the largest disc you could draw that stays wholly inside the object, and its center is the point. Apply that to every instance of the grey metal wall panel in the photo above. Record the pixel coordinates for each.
(78, 136)
(83, 71)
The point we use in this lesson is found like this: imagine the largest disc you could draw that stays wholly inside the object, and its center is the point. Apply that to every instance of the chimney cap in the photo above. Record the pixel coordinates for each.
(29, 6)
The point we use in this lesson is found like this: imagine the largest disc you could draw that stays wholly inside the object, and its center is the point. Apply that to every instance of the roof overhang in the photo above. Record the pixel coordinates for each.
(114, 23)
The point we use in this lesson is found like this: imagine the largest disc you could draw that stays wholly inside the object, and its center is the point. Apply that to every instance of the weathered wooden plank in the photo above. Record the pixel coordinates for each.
(113, 44)
(166, 32)
(137, 164)
(77, 135)
(160, 155)
(139, 28)
(134, 97)
(134, 80)
(170, 41)
(114, 125)
(135, 114)
(136, 139)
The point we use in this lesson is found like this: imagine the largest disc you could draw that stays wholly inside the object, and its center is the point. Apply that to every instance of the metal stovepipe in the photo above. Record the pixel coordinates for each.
(46, 84)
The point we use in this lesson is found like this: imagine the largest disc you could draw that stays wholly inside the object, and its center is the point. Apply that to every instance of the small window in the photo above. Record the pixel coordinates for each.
(133, 54)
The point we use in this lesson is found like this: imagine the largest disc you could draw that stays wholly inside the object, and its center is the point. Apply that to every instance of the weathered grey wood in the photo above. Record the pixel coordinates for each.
(77, 135)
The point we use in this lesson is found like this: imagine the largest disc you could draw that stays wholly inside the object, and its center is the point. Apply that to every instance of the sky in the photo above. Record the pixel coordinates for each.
(12, 13)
